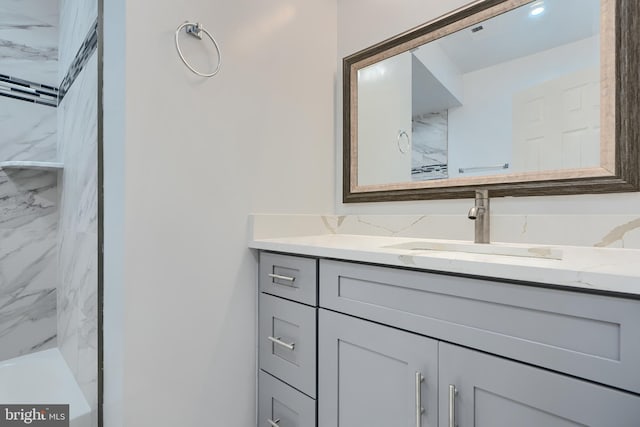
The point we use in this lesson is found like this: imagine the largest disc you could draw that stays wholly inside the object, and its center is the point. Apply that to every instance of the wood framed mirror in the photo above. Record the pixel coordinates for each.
(520, 97)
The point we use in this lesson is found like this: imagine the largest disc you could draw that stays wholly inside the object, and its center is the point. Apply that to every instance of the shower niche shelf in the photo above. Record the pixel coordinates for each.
(28, 164)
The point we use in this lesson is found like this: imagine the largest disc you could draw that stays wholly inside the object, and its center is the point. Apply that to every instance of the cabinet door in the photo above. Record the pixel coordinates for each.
(495, 392)
(374, 376)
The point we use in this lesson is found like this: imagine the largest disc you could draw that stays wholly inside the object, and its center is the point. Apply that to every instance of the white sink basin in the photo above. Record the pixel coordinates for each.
(504, 249)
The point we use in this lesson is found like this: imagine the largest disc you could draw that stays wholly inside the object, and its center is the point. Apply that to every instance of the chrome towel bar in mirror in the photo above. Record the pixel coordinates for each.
(196, 29)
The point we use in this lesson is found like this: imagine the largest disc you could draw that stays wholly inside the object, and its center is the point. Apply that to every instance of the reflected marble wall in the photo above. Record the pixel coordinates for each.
(28, 224)
(78, 232)
(429, 150)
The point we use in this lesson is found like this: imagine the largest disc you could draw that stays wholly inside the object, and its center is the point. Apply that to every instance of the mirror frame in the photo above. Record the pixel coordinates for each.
(623, 123)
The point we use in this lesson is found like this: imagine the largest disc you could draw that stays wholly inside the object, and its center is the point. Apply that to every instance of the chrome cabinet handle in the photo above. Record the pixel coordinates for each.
(276, 340)
(419, 407)
(273, 423)
(286, 278)
(452, 405)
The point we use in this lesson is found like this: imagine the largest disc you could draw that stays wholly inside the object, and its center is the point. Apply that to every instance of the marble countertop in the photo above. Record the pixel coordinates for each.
(596, 269)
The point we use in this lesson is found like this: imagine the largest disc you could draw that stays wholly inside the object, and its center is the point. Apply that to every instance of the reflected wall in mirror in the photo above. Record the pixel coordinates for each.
(522, 97)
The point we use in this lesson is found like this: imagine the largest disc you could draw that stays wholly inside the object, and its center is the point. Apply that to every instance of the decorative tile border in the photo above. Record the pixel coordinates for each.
(24, 90)
(87, 48)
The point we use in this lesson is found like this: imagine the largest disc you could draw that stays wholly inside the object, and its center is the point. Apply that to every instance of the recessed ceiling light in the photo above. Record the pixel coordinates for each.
(537, 11)
(537, 8)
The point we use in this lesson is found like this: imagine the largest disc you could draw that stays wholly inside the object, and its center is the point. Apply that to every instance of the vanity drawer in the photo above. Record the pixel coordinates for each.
(288, 342)
(589, 336)
(290, 277)
(281, 405)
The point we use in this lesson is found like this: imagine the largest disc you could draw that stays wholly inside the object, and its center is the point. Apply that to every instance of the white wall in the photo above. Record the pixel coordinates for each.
(384, 94)
(443, 69)
(362, 23)
(481, 130)
(186, 161)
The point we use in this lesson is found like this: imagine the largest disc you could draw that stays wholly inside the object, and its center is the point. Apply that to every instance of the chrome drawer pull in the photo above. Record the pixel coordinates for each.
(277, 340)
(273, 423)
(280, 277)
(452, 405)
(419, 407)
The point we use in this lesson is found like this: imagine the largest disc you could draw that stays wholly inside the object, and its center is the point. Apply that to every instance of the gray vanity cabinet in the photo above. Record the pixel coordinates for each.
(375, 376)
(287, 344)
(345, 344)
(589, 336)
(480, 390)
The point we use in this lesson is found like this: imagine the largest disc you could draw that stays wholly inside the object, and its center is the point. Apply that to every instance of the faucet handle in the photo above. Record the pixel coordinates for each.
(482, 194)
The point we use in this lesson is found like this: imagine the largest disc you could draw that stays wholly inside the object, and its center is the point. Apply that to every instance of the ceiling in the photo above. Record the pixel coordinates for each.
(516, 33)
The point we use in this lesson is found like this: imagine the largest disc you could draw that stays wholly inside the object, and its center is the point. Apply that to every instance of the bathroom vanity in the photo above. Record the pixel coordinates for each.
(359, 331)
(375, 331)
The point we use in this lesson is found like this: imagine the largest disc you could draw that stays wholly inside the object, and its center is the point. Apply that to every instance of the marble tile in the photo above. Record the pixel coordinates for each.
(76, 19)
(77, 297)
(28, 261)
(266, 226)
(610, 231)
(88, 330)
(77, 242)
(30, 327)
(29, 40)
(27, 195)
(78, 150)
(455, 227)
(28, 131)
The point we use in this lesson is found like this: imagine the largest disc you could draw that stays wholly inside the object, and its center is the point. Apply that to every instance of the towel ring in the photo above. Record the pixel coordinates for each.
(195, 29)
(403, 148)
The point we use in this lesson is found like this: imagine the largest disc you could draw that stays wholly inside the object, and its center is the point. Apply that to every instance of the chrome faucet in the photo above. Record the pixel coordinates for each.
(480, 213)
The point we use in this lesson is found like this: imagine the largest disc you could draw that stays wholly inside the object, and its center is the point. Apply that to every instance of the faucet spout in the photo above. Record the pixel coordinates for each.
(480, 213)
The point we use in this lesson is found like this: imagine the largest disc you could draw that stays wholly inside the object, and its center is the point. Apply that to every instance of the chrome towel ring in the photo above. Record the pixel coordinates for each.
(195, 29)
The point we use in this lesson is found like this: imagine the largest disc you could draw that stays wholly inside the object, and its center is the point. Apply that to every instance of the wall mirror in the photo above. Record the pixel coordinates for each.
(517, 96)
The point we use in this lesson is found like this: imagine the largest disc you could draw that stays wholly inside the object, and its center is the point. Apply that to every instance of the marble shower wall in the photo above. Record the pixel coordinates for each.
(28, 130)
(28, 224)
(29, 40)
(76, 19)
(28, 51)
(28, 198)
(78, 233)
